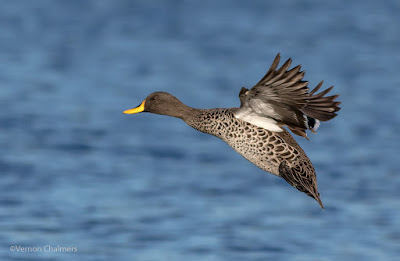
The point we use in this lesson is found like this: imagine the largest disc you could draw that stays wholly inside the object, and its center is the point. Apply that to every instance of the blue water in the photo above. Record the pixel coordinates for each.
(76, 172)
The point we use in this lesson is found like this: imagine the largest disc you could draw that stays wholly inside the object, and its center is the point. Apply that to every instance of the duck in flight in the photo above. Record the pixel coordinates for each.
(256, 128)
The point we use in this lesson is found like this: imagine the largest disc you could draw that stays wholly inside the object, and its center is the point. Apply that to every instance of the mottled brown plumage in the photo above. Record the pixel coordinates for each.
(255, 130)
(275, 152)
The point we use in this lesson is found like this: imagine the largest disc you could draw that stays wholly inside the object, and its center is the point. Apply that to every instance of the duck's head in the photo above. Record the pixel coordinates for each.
(161, 103)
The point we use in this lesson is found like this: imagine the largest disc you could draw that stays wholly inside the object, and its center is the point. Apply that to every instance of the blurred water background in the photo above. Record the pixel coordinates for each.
(76, 172)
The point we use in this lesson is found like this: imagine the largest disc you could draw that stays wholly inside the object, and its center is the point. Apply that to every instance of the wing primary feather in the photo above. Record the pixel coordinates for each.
(284, 67)
(278, 75)
(289, 74)
(300, 85)
(271, 71)
(316, 88)
(323, 92)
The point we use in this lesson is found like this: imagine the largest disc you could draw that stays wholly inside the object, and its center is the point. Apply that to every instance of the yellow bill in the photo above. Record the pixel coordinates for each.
(138, 109)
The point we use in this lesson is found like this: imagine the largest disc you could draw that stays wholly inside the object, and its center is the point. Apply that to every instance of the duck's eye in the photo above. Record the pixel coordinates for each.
(154, 98)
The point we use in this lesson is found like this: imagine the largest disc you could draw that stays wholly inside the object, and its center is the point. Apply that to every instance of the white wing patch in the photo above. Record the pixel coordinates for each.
(262, 122)
(316, 125)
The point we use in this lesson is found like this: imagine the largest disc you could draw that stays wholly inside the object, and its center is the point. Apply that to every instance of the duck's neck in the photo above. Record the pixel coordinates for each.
(181, 111)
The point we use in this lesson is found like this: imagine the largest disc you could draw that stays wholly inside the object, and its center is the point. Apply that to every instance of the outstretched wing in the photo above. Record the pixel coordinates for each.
(282, 98)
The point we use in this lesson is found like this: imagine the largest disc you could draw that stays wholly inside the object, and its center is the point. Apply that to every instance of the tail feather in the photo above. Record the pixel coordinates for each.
(306, 185)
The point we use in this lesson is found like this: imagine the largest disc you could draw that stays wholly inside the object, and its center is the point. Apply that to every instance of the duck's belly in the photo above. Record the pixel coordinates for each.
(263, 148)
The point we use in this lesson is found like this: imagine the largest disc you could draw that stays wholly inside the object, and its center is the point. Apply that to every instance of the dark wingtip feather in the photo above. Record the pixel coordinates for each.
(321, 107)
(276, 60)
(271, 71)
(317, 88)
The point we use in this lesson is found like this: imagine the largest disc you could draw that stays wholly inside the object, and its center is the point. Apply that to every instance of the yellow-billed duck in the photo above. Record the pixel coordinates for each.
(255, 129)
